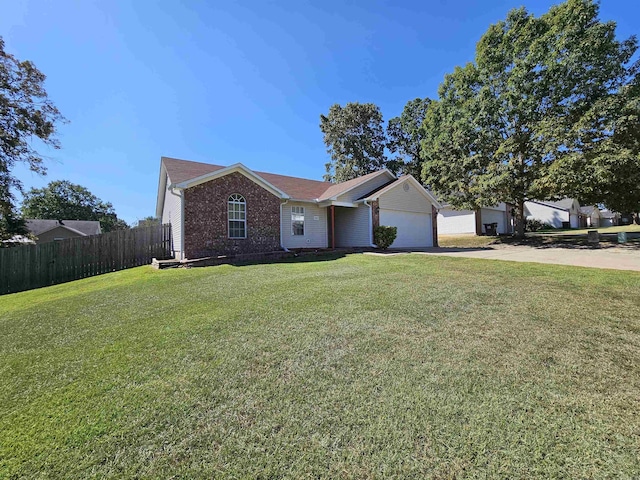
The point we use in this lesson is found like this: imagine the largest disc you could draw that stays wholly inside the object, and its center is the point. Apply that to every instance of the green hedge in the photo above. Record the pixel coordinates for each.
(384, 236)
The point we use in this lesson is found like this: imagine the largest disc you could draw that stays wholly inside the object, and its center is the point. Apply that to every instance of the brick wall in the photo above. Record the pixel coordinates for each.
(205, 218)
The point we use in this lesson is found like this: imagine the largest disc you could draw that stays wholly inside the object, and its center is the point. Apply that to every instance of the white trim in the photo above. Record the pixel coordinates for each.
(405, 178)
(237, 167)
(370, 224)
(303, 220)
(235, 201)
(325, 204)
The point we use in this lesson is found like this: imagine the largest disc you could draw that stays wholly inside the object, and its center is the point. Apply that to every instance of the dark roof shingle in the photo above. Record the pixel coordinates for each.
(86, 227)
(297, 188)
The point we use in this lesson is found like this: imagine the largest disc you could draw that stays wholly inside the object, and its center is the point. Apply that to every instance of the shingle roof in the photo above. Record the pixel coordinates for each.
(608, 214)
(338, 188)
(381, 187)
(85, 227)
(565, 203)
(297, 188)
(183, 170)
(588, 210)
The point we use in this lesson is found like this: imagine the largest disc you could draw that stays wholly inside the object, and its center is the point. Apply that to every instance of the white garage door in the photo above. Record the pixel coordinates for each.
(414, 229)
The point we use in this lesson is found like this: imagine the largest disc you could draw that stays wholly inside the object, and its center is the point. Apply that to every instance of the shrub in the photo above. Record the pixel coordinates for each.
(533, 225)
(384, 236)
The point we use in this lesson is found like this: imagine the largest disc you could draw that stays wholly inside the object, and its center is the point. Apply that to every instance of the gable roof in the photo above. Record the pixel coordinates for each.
(564, 204)
(343, 187)
(589, 210)
(373, 195)
(181, 171)
(82, 227)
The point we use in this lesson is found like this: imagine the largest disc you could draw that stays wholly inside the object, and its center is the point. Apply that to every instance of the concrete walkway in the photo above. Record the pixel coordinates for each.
(618, 258)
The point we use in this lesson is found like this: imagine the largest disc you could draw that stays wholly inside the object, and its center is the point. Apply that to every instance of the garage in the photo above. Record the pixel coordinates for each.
(414, 229)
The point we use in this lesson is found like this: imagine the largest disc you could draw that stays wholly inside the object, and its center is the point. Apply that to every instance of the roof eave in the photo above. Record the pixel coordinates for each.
(403, 179)
(236, 167)
(378, 173)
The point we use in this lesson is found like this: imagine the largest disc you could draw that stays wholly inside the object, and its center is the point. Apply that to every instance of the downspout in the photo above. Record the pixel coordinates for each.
(282, 226)
(371, 244)
(181, 197)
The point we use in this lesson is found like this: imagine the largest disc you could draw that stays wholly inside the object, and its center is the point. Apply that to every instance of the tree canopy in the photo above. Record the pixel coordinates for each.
(537, 115)
(355, 140)
(63, 200)
(26, 113)
(149, 221)
(404, 136)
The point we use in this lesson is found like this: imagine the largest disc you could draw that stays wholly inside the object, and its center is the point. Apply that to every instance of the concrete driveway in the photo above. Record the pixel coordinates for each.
(618, 257)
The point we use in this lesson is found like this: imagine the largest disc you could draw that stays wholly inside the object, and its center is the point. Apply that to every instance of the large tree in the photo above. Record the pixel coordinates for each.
(26, 114)
(538, 101)
(405, 134)
(355, 139)
(63, 200)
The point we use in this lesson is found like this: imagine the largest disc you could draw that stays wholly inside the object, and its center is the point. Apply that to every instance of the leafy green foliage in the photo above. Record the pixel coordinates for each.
(11, 225)
(405, 134)
(384, 236)
(533, 225)
(148, 222)
(26, 114)
(355, 139)
(541, 100)
(63, 200)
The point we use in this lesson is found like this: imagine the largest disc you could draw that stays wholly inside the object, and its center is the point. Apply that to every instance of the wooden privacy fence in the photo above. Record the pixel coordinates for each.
(33, 266)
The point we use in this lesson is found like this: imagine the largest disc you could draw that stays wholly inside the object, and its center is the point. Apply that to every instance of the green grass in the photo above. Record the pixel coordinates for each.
(403, 366)
(466, 241)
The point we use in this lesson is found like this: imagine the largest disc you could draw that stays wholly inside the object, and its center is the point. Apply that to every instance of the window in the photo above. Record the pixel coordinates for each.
(237, 215)
(297, 220)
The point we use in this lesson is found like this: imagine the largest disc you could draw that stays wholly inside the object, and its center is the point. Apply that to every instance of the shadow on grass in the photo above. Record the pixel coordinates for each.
(574, 242)
(404, 251)
(304, 257)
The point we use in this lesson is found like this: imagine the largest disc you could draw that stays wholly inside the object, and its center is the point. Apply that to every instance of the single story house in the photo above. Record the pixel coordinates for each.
(221, 210)
(591, 216)
(609, 218)
(455, 222)
(50, 230)
(564, 213)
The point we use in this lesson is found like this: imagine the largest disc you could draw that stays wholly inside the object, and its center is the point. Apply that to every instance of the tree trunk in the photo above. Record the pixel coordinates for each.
(520, 219)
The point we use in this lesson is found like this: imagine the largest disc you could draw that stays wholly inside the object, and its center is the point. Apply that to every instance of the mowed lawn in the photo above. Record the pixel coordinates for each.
(341, 367)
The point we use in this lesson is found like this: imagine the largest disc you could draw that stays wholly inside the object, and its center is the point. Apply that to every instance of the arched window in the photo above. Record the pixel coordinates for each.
(237, 216)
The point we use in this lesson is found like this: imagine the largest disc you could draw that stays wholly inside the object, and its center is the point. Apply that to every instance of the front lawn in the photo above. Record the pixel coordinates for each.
(344, 367)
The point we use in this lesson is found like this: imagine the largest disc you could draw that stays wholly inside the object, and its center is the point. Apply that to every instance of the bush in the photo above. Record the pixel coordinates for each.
(384, 236)
(534, 225)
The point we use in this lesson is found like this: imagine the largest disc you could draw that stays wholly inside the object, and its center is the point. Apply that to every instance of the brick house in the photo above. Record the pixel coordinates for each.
(218, 210)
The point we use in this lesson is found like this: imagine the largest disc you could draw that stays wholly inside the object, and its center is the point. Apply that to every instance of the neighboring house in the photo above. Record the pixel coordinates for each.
(590, 216)
(609, 218)
(217, 210)
(564, 213)
(454, 222)
(50, 230)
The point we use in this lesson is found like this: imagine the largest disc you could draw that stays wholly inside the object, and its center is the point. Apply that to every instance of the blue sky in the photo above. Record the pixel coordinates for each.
(232, 81)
